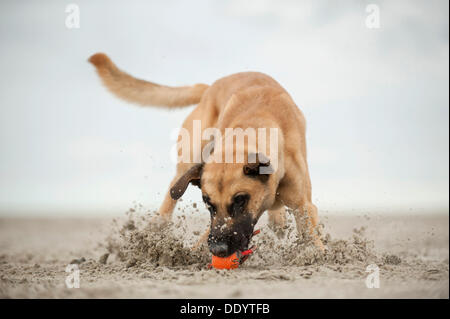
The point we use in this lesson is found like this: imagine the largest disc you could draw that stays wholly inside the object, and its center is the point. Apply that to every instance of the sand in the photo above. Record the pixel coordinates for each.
(127, 258)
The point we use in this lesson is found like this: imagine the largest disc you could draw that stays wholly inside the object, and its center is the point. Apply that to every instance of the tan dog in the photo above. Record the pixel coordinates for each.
(235, 193)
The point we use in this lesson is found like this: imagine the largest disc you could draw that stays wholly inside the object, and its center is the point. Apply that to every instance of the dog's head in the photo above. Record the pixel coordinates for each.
(236, 194)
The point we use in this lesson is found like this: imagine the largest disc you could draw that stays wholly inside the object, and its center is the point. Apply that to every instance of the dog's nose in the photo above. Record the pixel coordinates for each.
(219, 249)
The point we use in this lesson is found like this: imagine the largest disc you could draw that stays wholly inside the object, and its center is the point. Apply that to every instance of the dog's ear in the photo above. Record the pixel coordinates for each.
(191, 176)
(258, 166)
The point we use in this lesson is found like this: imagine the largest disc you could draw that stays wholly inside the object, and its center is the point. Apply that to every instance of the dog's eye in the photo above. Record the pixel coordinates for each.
(240, 199)
(239, 203)
(209, 205)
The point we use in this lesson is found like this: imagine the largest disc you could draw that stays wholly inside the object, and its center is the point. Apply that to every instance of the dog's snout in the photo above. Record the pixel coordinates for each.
(219, 249)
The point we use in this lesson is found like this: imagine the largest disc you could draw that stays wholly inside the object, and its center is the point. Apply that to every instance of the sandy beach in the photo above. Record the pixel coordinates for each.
(123, 259)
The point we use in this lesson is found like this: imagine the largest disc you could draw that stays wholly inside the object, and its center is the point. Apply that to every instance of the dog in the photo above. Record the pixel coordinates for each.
(236, 193)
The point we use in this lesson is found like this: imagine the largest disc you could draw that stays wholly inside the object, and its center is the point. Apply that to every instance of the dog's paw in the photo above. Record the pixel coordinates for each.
(319, 244)
(279, 231)
(159, 222)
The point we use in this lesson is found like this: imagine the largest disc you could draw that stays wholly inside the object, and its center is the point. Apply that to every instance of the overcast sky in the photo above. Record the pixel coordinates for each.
(376, 100)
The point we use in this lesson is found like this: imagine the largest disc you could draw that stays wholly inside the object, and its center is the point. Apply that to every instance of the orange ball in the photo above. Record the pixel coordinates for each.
(230, 262)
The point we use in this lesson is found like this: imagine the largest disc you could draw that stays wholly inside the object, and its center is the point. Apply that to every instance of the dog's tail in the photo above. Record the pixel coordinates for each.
(142, 92)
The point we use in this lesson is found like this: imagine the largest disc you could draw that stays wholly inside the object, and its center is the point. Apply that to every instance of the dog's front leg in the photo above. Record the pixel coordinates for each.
(202, 240)
(277, 220)
(306, 216)
(166, 209)
(295, 192)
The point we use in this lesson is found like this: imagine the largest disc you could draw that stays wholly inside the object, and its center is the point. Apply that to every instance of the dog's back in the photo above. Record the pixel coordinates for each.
(147, 93)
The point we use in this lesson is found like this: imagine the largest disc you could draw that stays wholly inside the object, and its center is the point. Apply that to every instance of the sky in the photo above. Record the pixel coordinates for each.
(376, 100)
